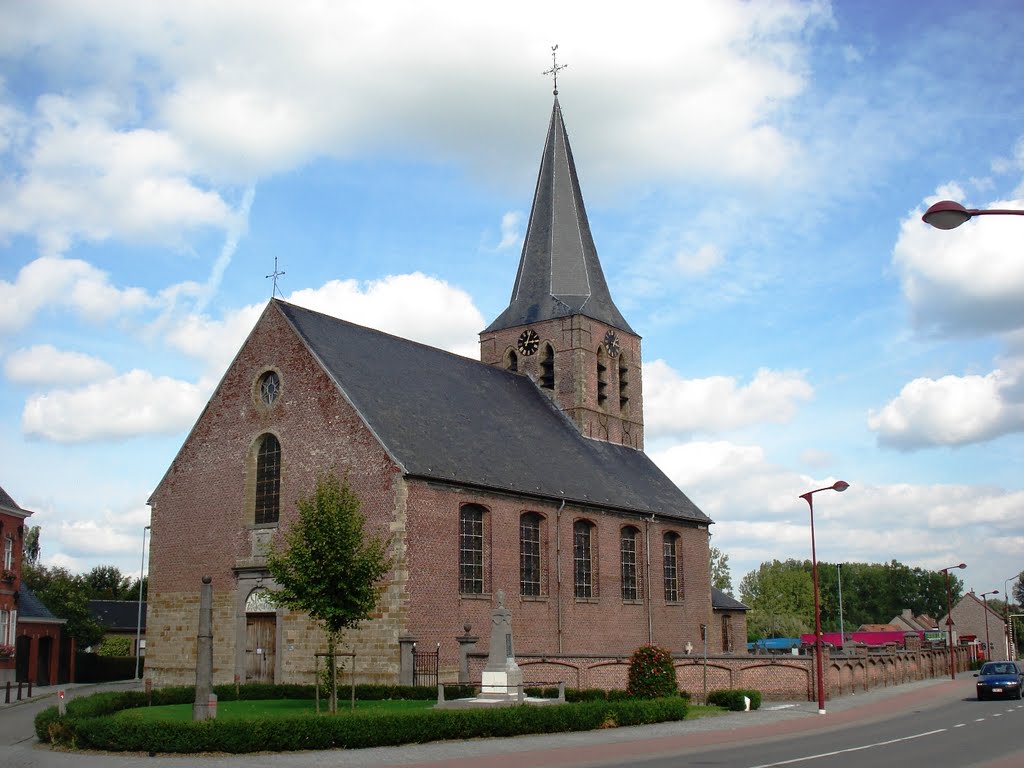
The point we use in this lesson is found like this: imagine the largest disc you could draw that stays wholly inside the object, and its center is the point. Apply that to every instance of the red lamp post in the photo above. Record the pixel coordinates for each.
(988, 643)
(949, 619)
(839, 485)
(946, 214)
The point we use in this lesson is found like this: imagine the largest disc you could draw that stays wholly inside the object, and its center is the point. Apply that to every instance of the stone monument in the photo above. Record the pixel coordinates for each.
(501, 677)
(204, 706)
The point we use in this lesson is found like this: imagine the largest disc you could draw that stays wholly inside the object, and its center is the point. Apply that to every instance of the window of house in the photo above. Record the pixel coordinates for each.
(529, 554)
(268, 481)
(673, 574)
(6, 636)
(628, 553)
(602, 377)
(727, 634)
(8, 553)
(547, 367)
(471, 550)
(583, 558)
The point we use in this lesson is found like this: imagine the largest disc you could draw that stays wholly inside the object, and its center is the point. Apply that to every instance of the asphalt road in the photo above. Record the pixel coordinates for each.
(932, 723)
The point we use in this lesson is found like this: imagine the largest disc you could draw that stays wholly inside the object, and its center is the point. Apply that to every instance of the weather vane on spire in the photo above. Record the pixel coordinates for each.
(275, 274)
(555, 68)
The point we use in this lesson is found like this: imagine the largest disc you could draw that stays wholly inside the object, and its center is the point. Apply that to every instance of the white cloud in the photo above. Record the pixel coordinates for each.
(968, 280)
(698, 262)
(952, 410)
(511, 230)
(69, 283)
(45, 364)
(125, 406)
(675, 405)
(413, 306)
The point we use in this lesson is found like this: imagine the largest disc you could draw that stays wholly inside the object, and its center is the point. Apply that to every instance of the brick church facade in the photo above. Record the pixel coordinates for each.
(522, 472)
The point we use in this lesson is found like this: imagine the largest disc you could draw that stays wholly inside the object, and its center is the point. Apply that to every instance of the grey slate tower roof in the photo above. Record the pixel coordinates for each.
(559, 271)
(449, 418)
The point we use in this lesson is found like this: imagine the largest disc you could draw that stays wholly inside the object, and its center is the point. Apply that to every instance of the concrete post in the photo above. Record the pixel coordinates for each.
(204, 653)
(467, 643)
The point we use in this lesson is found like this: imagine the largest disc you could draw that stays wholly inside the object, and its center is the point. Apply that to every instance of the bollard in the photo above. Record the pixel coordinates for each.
(7, 698)
(561, 690)
(519, 693)
(30, 689)
(61, 710)
(19, 690)
(440, 693)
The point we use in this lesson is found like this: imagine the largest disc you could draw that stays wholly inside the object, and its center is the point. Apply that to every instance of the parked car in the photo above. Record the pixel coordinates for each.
(1000, 679)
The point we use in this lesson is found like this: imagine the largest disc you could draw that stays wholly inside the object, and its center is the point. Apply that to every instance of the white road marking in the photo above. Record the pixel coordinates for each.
(851, 749)
(960, 725)
(979, 720)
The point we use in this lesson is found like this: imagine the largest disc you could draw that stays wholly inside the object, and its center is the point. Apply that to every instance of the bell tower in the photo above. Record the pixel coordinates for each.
(561, 327)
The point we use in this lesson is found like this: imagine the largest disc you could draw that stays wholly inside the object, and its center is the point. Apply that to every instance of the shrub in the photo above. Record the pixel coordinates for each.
(88, 725)
(732, 699)
(651, 673)
(115, 645)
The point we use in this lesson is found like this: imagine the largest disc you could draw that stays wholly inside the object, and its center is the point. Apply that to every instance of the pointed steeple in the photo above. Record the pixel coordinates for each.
(559, 270)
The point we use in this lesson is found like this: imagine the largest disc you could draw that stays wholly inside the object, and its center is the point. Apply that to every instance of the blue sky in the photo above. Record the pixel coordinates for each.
(754, 175)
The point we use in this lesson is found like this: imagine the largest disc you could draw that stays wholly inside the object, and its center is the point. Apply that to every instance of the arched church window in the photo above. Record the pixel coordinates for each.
(471, 549)
(628, 553)
(547, 367)
(512, 361)
(530, 554)
(583, 559)
(602, 376)
(259, 601)
(268, 481)
(672, 568)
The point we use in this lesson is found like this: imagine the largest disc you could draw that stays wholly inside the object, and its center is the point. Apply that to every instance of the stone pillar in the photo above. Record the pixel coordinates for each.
(467, 643)
(204, 653)
(407, 644)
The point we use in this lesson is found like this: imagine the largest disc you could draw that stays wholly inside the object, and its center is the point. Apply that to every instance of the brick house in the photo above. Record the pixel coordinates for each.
(972, 617)
(12, 529)
(522, 472)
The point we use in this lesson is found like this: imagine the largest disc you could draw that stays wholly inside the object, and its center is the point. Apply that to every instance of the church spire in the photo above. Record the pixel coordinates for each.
(559, 270)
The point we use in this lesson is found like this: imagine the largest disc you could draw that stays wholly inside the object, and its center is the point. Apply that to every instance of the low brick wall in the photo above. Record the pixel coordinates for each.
(776, 676)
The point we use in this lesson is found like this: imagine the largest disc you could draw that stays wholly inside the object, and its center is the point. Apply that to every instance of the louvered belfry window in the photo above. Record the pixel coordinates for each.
(268, 481)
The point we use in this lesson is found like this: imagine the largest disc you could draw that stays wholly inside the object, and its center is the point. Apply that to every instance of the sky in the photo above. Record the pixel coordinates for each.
(754, 175)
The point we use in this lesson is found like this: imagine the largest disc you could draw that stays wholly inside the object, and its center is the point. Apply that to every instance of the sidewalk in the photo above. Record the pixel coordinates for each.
(41, 692)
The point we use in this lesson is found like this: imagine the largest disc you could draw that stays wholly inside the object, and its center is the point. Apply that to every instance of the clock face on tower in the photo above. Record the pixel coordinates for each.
(529, 341)
(611, 344)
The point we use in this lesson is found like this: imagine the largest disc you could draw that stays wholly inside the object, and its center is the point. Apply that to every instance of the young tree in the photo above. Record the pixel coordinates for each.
(67, 596)
(30, 545)
(328, 566)
(721, 578)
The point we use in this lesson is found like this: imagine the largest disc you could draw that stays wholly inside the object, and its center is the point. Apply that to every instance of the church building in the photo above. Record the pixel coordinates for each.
(522, 472)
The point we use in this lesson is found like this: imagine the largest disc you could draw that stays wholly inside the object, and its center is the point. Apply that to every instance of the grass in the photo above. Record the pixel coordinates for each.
(697, 711)
(266, 708)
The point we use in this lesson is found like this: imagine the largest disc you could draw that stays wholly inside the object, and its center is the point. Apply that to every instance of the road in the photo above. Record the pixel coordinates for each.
(932, 723)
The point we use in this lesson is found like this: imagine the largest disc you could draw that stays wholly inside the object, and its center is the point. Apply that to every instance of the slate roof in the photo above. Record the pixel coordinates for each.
(559, 271)
(7, 504)
(449, 418)
(118, 614)
(31, 608)
(722, 602)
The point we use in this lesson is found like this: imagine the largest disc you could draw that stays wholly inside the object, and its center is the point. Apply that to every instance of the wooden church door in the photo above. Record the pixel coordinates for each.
(260, 638)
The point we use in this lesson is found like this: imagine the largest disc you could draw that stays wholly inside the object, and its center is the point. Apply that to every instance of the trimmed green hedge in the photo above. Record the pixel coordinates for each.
(733, 699)
(88, 725)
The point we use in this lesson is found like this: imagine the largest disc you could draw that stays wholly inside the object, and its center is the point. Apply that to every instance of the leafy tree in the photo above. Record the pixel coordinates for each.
(30, 545)
(106, 582)
(1017, 596)
(721, 578)
(115, 646)
(67, 596)
(328, 567)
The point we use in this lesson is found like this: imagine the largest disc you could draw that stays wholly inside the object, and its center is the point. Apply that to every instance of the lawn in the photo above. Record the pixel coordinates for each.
(241, 710)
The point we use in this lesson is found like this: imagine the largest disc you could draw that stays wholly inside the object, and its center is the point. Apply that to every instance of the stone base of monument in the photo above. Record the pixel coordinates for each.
(503, 684)
(495, 693)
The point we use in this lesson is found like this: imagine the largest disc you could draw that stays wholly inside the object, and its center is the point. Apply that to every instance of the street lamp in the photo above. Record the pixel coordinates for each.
(988, 643)
(949, 619)
(138, 626)
(946, 214)
(839, 485)
(1011, 647)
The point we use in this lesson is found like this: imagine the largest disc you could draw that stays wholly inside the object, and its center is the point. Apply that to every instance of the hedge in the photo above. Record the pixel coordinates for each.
(732, 699)
(89, 725)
